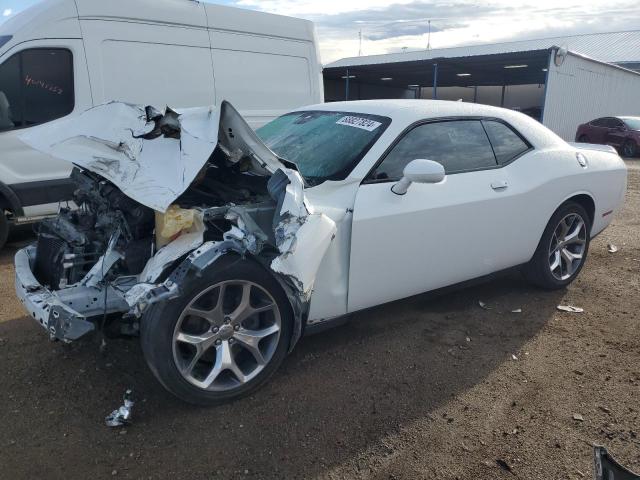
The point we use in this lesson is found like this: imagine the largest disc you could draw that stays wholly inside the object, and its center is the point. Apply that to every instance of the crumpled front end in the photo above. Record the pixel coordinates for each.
(162, 196)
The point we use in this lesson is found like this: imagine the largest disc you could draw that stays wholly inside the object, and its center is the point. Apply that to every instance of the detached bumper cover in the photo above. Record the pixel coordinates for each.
(53, 310)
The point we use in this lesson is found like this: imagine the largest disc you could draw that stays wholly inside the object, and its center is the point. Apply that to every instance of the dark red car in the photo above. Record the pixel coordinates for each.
(623, 133)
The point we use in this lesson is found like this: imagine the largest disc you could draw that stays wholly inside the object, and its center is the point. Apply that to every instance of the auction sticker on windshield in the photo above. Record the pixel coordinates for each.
(359, 122)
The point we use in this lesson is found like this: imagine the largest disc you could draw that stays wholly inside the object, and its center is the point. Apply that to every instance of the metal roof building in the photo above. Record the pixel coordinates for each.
(534, 76)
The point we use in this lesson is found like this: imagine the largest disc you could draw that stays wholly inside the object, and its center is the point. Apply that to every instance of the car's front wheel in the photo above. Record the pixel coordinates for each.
(563, 248)
(223, 338)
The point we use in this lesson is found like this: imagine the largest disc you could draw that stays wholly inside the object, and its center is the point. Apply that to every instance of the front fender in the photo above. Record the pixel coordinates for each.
(209, 255)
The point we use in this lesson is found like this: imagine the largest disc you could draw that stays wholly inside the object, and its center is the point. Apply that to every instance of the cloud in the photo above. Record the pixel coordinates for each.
(6, 12)
(390, 25)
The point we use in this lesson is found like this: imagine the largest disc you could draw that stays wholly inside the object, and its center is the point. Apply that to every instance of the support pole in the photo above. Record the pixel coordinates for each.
(346, 90)
(502, 97)
(475, 94)
(435, 81)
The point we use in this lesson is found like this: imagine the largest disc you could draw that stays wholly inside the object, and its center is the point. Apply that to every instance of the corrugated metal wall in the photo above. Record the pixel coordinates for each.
(581, 90)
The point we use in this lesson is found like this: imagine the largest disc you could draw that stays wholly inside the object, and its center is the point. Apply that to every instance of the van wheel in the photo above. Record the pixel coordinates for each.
(223, 338)
(583, 139)
(4, 229)
(562, 250)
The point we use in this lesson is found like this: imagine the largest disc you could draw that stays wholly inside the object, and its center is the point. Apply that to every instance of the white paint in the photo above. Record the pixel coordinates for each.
(106, 140)
(459, 229)
(170, 52)
(302, 260)
(581, 90)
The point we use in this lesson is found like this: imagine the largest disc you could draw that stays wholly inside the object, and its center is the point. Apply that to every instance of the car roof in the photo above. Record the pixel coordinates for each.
(417, 109)
(405, 112)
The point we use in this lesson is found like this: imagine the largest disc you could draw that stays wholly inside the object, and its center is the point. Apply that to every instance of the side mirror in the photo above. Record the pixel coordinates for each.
(419, 171)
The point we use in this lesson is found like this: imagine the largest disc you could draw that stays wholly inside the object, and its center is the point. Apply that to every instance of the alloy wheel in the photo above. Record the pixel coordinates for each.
(567, 247)
(226, 335)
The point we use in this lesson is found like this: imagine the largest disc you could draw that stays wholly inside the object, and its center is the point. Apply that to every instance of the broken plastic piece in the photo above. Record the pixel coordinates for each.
(612, 248)
(577, 417)
(484, 305)
(570, 308)
(171, 223)
(122, 416)
(517, 310)
(606, 467)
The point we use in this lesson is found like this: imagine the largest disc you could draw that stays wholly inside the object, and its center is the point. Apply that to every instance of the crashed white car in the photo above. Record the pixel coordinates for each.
(220, 247)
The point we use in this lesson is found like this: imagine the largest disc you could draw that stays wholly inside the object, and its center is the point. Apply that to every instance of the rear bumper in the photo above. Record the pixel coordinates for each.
(65, 314)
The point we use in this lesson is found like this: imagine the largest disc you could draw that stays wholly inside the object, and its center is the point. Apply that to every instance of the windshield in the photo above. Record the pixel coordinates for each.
(631, 122)
(323, 145)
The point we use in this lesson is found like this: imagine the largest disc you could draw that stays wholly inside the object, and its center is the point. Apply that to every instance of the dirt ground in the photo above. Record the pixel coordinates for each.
(429, 387)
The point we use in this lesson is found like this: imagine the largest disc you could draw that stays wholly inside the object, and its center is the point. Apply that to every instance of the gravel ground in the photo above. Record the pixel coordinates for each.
(429, 387)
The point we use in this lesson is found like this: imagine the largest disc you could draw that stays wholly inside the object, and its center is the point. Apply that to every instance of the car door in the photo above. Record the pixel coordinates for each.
(616, 132)
(598, 130)
(436, 234)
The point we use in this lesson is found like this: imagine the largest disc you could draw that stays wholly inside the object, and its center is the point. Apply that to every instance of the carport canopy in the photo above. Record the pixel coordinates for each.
(513, 68)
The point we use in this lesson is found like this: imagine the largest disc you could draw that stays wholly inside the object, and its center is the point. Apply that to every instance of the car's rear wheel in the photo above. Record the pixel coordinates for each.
(223, 338)
(583, 139)
(629, 149)
(563, 248)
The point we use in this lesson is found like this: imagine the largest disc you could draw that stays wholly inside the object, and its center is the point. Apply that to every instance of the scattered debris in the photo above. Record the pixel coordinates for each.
(570, 308)
(606, 467)
(517, 310)
(604, 409)
(468, 339)
(578, 417)
(483, 305)
(612, 248)
(513, 357)
(504, 465)
(121, 416)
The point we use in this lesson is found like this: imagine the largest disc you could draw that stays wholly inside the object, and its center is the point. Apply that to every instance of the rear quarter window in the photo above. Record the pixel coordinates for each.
(507, 144)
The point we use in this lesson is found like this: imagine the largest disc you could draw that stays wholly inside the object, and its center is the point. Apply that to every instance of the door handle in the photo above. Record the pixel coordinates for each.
(500, 185)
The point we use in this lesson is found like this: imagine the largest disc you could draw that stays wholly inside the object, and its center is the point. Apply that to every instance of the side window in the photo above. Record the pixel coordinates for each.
(459, 145)
(506, 143)
(614, 123)
(599, 122)
(36, 86)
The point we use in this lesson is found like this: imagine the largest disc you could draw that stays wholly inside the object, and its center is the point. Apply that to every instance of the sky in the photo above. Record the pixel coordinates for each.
(394, 25)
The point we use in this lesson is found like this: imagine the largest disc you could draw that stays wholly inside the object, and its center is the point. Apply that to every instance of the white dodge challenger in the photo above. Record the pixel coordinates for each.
(220, 247)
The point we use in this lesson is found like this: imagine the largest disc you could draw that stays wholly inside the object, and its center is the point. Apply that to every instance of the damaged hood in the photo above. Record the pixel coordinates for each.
(152, 155)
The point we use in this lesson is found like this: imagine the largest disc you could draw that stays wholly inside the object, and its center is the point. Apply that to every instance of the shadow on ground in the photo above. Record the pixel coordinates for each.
(338, 393)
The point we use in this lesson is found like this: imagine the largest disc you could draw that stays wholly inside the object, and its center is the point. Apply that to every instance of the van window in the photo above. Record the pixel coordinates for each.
(36, 86)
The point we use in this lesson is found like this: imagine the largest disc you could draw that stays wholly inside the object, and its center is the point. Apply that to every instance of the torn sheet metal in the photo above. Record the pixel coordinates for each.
(108, 140)
(151, 155)
(301, 259)
(121, 416)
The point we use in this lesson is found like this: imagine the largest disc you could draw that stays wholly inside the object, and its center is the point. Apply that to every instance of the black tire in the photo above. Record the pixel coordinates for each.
(159, 323)
(583, 139)
(4, 229)
(538, 271)
(629, 149)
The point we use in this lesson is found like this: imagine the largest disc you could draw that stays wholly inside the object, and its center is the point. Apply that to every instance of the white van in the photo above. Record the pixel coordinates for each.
(61, 57)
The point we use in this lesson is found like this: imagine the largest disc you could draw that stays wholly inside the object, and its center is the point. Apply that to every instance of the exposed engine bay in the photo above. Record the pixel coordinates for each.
(160, 197)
